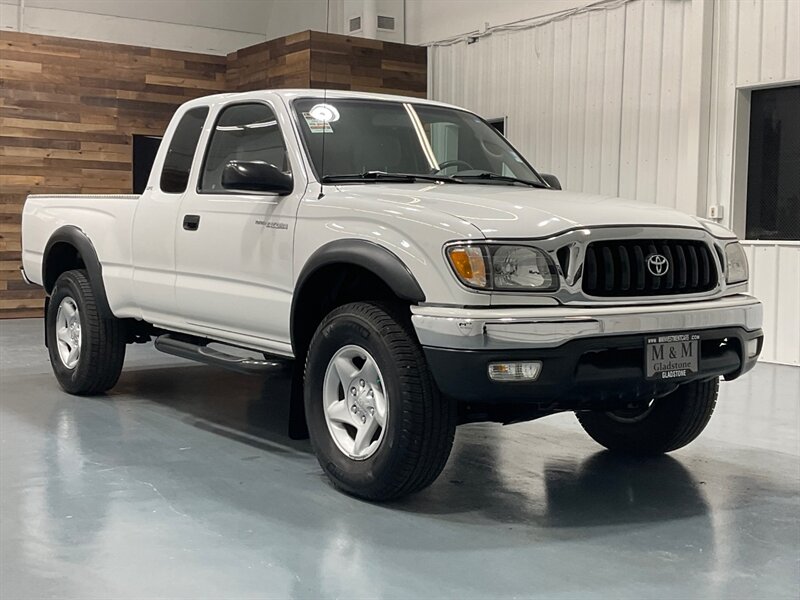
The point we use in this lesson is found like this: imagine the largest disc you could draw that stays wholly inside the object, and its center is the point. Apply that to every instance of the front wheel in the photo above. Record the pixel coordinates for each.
(655, 426)
(86, 350)
(378, 425)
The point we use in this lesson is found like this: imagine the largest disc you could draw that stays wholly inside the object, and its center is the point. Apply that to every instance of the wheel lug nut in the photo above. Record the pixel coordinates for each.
(370, 394)
(362, 383)
(353, 391)
(363, 418)
(371, 410)
(354, 408)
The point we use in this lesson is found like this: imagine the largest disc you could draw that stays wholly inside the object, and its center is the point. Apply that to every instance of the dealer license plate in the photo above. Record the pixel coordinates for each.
(672, 356)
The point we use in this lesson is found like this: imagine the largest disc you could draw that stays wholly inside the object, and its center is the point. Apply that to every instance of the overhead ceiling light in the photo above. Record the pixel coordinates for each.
(263, 124)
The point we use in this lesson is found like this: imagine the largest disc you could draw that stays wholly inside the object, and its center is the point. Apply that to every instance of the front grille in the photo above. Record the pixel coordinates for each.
(619, 268)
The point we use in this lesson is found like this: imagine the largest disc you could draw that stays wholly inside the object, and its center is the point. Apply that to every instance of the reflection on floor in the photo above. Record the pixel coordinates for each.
(183, 482)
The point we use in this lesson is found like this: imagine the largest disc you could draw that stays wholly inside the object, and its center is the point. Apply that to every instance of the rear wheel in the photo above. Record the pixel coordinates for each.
(377, 423)
(655, 426)
(86, 351)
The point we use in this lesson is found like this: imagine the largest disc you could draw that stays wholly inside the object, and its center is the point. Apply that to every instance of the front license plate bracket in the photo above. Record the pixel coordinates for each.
(672, 356)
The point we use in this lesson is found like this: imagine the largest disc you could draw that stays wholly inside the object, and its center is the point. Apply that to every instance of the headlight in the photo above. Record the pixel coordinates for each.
(503, 268)
(736, 263)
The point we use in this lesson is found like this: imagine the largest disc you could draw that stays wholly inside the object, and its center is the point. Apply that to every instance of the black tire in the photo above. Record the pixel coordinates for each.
(421, 423)
(102, 347)
(671, 422)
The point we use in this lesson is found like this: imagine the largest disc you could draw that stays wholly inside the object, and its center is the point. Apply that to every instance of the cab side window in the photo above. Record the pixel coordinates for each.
(178, 161)
(244, 132)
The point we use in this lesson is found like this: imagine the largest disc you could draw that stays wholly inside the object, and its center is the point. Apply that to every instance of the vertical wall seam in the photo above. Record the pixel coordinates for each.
(639, 115)
(734, 90)
(660, 107)
(586, 105)
(735, 76)
(622, 97)
(569, 95)
(777, 297)
(760, 39)
(784, 57)
(677, 165)
(602, 115)
(552, 129)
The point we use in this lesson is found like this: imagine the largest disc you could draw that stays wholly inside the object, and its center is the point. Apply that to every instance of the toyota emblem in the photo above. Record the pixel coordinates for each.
(657, 264)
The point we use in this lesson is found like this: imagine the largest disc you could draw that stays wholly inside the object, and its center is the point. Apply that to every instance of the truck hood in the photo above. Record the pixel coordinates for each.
(518, 212)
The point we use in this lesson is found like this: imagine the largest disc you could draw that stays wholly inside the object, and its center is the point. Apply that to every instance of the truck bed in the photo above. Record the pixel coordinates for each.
(105, 218)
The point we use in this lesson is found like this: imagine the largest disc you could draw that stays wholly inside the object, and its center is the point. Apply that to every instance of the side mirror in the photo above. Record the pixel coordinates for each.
(256, 176)
(551, 180)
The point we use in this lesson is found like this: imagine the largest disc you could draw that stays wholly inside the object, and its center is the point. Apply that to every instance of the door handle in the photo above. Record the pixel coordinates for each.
(191, 222)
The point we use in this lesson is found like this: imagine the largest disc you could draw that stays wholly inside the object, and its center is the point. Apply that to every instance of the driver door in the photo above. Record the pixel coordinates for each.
(234, 251)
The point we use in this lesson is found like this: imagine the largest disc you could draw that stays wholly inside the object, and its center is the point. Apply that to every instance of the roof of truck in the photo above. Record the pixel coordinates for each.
(291, 94)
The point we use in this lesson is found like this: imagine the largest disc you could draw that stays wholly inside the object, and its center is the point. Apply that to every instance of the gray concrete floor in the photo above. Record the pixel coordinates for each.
(183, 483)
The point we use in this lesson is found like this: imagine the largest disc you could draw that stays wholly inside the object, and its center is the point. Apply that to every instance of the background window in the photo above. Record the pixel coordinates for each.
(499, 125)
(773, 171)
(178, 162)
(145, 148)
(246, 132)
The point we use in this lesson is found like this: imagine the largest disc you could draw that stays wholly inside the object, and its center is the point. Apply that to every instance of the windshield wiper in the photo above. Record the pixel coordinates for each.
(506, 178)
(384, 176)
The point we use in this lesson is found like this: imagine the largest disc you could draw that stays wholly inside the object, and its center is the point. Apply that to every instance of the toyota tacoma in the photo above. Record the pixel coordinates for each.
(413, 266)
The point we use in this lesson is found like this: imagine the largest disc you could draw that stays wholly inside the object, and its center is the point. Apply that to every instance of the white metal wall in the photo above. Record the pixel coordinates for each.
(597, 99)
(594, 99)
(429, 20)
(756, 43)
(208, 26)
(775, 279)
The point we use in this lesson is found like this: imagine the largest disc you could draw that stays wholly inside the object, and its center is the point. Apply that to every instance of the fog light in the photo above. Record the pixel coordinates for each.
(752, 348)
(515, 371)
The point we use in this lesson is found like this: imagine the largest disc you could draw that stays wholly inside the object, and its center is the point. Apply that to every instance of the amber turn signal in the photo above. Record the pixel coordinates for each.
(469, 264)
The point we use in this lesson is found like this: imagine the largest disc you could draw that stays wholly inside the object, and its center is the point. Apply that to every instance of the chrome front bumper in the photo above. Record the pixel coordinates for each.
(548, 327)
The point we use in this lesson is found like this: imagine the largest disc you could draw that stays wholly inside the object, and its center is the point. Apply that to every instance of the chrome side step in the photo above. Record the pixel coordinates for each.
(197, 349)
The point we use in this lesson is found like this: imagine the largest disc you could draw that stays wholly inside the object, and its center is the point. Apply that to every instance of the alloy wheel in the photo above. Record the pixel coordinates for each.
(355, 402)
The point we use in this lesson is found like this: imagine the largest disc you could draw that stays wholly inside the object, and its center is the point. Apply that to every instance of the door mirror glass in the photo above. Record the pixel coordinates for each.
(551, 180)
(256, 176)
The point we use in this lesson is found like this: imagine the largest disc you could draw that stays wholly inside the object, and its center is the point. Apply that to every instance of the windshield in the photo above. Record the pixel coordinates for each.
(368, 136)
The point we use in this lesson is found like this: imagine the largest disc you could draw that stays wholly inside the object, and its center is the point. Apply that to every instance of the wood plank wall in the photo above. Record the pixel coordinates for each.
(281, 63)
(312, 58)
(353, 63)
(68, 109)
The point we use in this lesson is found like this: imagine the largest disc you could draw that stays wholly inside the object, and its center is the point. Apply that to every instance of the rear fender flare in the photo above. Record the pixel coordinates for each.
(75, 237)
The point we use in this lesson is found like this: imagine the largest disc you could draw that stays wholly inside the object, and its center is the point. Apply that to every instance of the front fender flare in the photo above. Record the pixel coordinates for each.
(366, 254)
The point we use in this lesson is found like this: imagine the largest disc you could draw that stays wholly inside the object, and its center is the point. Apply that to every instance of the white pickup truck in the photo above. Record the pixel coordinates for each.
(414, 266)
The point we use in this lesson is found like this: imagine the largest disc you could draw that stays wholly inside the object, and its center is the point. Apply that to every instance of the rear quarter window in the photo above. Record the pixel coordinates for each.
(182, 146)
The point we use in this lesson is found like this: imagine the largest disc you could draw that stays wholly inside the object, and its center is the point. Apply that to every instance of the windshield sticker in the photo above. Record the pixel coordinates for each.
(317, 125)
